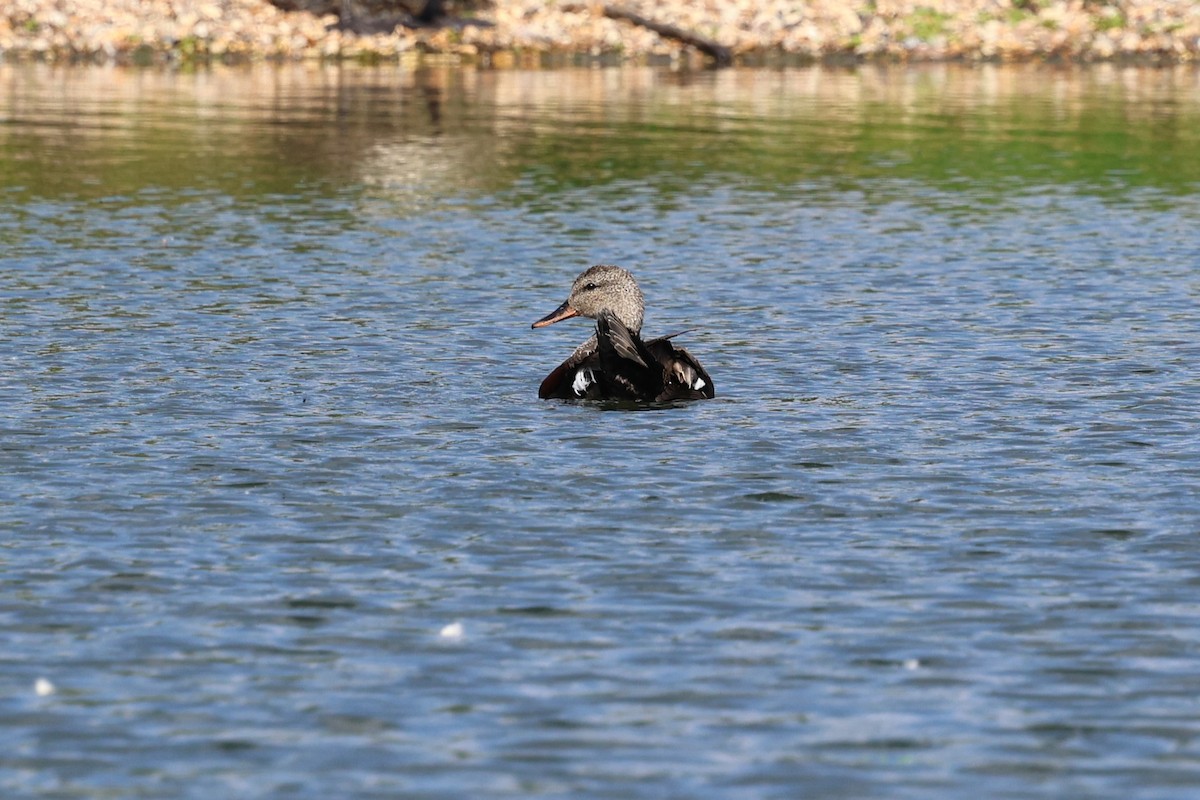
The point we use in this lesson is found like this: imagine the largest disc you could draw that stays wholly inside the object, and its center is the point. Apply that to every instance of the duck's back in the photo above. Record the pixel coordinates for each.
(623, 367)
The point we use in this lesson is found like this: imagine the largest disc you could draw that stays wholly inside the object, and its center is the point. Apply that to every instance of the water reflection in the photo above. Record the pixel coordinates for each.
(445, 131)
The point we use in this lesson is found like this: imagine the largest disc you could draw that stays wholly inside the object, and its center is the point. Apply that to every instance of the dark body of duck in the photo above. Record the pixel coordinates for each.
(615, 363)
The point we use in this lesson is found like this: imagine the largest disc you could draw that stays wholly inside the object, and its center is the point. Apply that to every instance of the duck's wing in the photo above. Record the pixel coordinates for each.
(613, 336)
(683, 377)
(574, 378)
(627, 369)
(555, 385)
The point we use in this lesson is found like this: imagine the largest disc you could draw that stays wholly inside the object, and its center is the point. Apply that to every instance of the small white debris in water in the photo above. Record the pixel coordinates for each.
(43, 687)
(452, 631)
(912, 663)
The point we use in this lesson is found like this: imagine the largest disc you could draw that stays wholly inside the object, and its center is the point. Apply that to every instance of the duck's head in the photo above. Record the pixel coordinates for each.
(599, 289)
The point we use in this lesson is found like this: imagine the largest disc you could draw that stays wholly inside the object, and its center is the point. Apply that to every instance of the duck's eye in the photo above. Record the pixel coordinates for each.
(589, 287)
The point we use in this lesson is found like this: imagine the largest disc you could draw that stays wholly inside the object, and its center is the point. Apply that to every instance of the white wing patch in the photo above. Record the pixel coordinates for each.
(583, 379)
(688, 376)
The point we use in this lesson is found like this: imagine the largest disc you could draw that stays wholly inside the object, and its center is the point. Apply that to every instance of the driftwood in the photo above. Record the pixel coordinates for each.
(721, 55)
(373, 16)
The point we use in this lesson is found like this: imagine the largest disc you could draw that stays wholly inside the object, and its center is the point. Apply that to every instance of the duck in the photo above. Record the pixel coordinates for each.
(616, 363)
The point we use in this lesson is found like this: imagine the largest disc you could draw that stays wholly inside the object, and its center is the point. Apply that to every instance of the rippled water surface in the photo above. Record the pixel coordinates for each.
(281, 514)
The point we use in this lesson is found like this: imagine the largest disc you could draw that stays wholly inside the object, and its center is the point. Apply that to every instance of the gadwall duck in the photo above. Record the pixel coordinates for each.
(615, 364)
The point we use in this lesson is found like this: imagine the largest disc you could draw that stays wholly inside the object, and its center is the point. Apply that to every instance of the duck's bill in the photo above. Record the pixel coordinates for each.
(557, 315)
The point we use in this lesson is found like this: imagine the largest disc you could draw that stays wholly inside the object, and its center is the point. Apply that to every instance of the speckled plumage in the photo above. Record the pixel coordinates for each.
(615, 363)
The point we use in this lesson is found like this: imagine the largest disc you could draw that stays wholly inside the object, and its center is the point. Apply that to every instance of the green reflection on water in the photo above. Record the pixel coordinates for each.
(423, 135)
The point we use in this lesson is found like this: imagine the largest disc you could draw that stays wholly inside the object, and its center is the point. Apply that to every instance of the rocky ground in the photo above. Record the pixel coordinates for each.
(507, 32)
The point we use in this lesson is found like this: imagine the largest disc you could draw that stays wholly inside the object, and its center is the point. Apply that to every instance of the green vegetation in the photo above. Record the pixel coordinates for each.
(144, 55)
(927, 24)
(191, 47)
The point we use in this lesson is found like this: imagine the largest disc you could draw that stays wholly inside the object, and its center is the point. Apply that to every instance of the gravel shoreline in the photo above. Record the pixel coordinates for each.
(538, 32)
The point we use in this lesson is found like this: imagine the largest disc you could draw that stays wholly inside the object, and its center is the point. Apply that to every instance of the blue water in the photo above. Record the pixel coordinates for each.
(283, 517)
